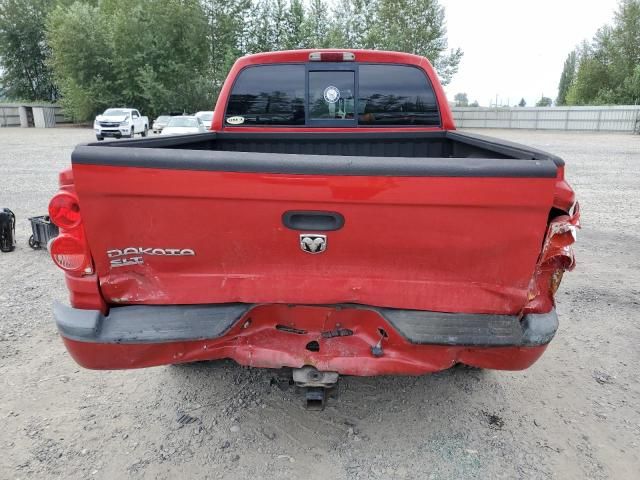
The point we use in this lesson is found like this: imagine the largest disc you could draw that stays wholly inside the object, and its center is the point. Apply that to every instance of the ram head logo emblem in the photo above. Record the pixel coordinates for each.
(312, 243)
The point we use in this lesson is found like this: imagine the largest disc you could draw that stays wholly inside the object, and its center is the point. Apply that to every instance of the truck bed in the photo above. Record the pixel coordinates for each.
(432, 145)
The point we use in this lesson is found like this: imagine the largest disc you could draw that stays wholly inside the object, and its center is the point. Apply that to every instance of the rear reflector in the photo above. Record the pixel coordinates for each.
(70, 254)
(64, 210)
(332, 57)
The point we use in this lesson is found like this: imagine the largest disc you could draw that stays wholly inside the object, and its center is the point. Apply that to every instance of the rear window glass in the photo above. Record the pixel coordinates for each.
(268, 95)
(331, 95)
(387, 95)
(395, 95)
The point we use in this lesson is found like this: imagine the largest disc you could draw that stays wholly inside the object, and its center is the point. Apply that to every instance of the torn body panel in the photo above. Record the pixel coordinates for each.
(556, 257)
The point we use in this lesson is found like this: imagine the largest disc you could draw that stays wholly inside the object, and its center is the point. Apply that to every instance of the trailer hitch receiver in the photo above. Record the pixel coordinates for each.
(315, 384)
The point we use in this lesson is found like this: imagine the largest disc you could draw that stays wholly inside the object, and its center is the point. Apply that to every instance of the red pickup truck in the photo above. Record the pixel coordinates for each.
(333, 221)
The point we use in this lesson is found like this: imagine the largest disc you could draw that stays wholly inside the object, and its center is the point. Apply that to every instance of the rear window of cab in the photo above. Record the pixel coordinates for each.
(355, 95)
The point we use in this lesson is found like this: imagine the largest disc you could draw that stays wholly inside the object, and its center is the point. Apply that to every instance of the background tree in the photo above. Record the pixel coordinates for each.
(354, 24)
(461, 99)
(607, 67)
(80, 72)
(24, 72)
(474, 104)
(316, 25)
(417, 26)
(294, 32)
(522, 103)
(566, 79)
(544, 102)
(174, 55)
(157, 68)
(230, 34)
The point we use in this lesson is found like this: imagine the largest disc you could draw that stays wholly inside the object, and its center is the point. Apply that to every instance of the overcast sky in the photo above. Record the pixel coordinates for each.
(517, 48)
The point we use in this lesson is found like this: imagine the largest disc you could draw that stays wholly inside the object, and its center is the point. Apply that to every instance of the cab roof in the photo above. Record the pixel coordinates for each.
(375, 56)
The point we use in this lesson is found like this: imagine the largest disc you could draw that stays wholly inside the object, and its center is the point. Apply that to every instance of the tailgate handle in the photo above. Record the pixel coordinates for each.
(312, 220)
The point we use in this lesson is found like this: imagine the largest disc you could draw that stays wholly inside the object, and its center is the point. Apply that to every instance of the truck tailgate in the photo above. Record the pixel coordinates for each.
(449, 235)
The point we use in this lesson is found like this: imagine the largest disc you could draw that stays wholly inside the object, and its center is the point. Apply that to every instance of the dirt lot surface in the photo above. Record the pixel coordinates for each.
(575, 414)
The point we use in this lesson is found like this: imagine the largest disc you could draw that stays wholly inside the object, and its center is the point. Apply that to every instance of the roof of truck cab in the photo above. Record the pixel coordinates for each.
(375, 56)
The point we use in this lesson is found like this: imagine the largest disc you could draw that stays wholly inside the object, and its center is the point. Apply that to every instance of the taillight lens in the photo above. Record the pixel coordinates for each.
(64, 210)
(70, 254)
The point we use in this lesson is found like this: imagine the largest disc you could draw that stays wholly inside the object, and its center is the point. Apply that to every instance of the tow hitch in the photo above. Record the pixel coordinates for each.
(315, 384)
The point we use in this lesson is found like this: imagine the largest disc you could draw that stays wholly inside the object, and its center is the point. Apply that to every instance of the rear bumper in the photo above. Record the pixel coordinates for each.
(339, 338)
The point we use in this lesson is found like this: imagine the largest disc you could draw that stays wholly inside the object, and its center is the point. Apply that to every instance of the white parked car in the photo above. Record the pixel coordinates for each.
(160, 122)
(182, 125)
(120, 122)
(206, 117)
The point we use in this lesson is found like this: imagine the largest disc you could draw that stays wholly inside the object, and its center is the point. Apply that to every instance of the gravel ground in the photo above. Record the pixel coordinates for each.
(575, 414)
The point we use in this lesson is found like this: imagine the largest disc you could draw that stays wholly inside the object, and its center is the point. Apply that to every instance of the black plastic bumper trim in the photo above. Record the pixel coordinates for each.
(171, 323)
(470, 329)
(148, 323)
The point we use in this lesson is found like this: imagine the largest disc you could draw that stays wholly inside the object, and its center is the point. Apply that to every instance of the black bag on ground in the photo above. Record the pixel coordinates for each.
(7, 230)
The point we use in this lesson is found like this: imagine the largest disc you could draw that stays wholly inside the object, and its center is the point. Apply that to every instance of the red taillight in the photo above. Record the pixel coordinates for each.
(70, 254)
(64, 210)
(332, 57)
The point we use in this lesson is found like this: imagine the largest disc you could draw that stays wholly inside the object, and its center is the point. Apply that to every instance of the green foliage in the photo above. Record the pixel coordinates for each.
(173, 55)
(461, 100)
(229, 35)
(294, 31)
(24, 51)
(354, 24)
(544, 102)
(317, 24)
(245, 26)
(148, 54)
(606, 69)
(522, 103)
(416, 26)
(566, 79)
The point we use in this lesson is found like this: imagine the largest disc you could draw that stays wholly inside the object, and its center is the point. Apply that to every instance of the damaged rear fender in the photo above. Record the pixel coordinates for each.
(556, 257)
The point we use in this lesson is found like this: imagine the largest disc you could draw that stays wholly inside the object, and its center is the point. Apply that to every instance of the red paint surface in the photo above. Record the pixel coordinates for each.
(260, 344)
(426, 243)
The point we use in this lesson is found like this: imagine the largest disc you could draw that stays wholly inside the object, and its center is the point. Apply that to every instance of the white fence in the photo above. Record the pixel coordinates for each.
(606, 119)
(40, 116)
